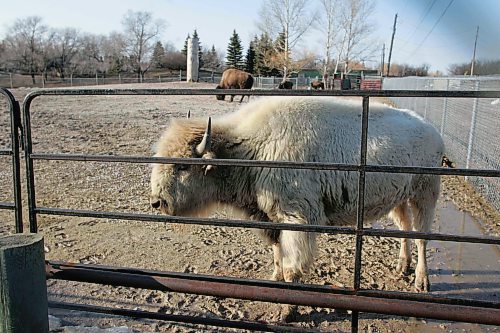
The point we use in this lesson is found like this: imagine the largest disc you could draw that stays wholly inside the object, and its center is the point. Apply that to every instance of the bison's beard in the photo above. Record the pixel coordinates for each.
(202, 210)
(220, 97)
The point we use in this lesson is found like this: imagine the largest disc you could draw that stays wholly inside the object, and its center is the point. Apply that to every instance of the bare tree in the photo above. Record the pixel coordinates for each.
(292, 19)
(66, 43)
(26, 41)
(142, 33)
(356, 29)
(329, 24)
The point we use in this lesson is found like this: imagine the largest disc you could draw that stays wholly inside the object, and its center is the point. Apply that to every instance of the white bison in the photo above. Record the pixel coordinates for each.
(320, 129)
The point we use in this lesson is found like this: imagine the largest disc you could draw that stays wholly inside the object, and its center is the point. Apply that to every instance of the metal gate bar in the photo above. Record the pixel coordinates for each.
(55, 265)
(15, 129)
(197, 320)
(358, 301)
(266, 225)
(285, 293)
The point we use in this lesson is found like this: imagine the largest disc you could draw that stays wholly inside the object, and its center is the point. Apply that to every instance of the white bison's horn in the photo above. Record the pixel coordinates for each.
(204, 145)
(188, 114)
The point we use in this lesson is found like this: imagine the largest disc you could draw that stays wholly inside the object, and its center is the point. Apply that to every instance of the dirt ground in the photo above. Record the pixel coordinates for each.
(130, 125)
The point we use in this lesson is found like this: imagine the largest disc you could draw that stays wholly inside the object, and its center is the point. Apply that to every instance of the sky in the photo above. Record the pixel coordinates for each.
(426, 32)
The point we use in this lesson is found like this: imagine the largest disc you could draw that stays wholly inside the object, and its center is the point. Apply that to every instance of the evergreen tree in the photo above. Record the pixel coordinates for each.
(211, 59)
(264, 51)
(250, 59)
(158, 56)
(185, 48)
(234, 58)
(200, 51)
(279, 44)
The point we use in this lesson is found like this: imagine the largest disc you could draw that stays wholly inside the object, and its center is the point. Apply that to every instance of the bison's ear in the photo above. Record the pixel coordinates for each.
(208, 167)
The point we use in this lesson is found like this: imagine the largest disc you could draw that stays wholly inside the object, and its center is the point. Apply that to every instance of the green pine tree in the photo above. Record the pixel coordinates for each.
(200, 52)
(234, 58)
(263, 51)
(250, 59)
(279, 44)
(158, 56)
(185, 48)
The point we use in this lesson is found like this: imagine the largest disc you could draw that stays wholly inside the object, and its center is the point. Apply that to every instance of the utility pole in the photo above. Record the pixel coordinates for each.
(382, 61)
(474, 53)
(392, 42)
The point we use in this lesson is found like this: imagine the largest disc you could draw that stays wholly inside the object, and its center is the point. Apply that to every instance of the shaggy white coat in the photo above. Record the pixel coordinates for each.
(319, 129)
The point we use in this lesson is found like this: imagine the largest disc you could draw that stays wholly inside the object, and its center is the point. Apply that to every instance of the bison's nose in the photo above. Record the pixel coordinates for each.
(155, 202)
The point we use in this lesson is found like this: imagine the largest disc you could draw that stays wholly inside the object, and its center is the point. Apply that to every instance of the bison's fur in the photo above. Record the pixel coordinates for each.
(317, 85)
(285, 85)
(303, 129)
(234, 79)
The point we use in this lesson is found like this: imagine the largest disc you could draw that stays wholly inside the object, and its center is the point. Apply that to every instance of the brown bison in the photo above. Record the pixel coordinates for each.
(234, 79)
(285, 85)
(317, 85)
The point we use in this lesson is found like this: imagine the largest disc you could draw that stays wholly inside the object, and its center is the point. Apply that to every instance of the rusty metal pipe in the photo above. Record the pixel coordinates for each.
(488, 316)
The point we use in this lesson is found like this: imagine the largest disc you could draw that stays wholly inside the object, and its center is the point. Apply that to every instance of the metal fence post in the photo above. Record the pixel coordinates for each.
(415, 99)
(445, 106)
(426, 103)
(472, 127)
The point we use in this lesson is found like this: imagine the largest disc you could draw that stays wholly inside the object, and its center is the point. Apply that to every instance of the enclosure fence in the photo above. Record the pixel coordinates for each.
(272, 82)
(356, 298)
(10, 80)
(470, 127)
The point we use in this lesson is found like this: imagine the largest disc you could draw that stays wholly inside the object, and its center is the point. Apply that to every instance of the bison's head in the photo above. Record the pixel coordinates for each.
(220, 97)
(183, 189)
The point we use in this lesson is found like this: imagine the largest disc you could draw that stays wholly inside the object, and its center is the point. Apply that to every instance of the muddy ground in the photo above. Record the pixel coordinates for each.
(130, 125)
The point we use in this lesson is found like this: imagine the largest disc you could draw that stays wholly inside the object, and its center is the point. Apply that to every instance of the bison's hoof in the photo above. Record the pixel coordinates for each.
(277, 276)
(289, 313)
(422, 285)
(403, 267)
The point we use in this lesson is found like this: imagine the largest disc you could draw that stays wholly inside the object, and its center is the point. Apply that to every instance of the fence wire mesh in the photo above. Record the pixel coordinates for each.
(469, 126)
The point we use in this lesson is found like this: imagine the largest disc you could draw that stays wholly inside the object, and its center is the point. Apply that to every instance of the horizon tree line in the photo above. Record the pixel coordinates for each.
(31, 47)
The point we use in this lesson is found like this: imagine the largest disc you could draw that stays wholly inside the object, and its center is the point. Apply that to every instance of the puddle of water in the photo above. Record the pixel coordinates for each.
(463, 270)
(458, 270)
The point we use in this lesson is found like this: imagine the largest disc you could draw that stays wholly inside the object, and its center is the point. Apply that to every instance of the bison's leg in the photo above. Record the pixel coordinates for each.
(401, 216)
(278, 263)
(423, 206)
(298, 251)
(232, 97)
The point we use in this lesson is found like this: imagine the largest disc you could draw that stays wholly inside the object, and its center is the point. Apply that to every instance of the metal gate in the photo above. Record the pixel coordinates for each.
(13, 152)
(355, 299)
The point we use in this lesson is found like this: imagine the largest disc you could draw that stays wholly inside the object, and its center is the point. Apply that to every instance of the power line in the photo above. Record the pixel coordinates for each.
(424, 15)
(434, 26)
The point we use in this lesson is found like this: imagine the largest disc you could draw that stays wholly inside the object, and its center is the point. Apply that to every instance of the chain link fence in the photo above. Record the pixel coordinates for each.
(470, 126)
(9, 80)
